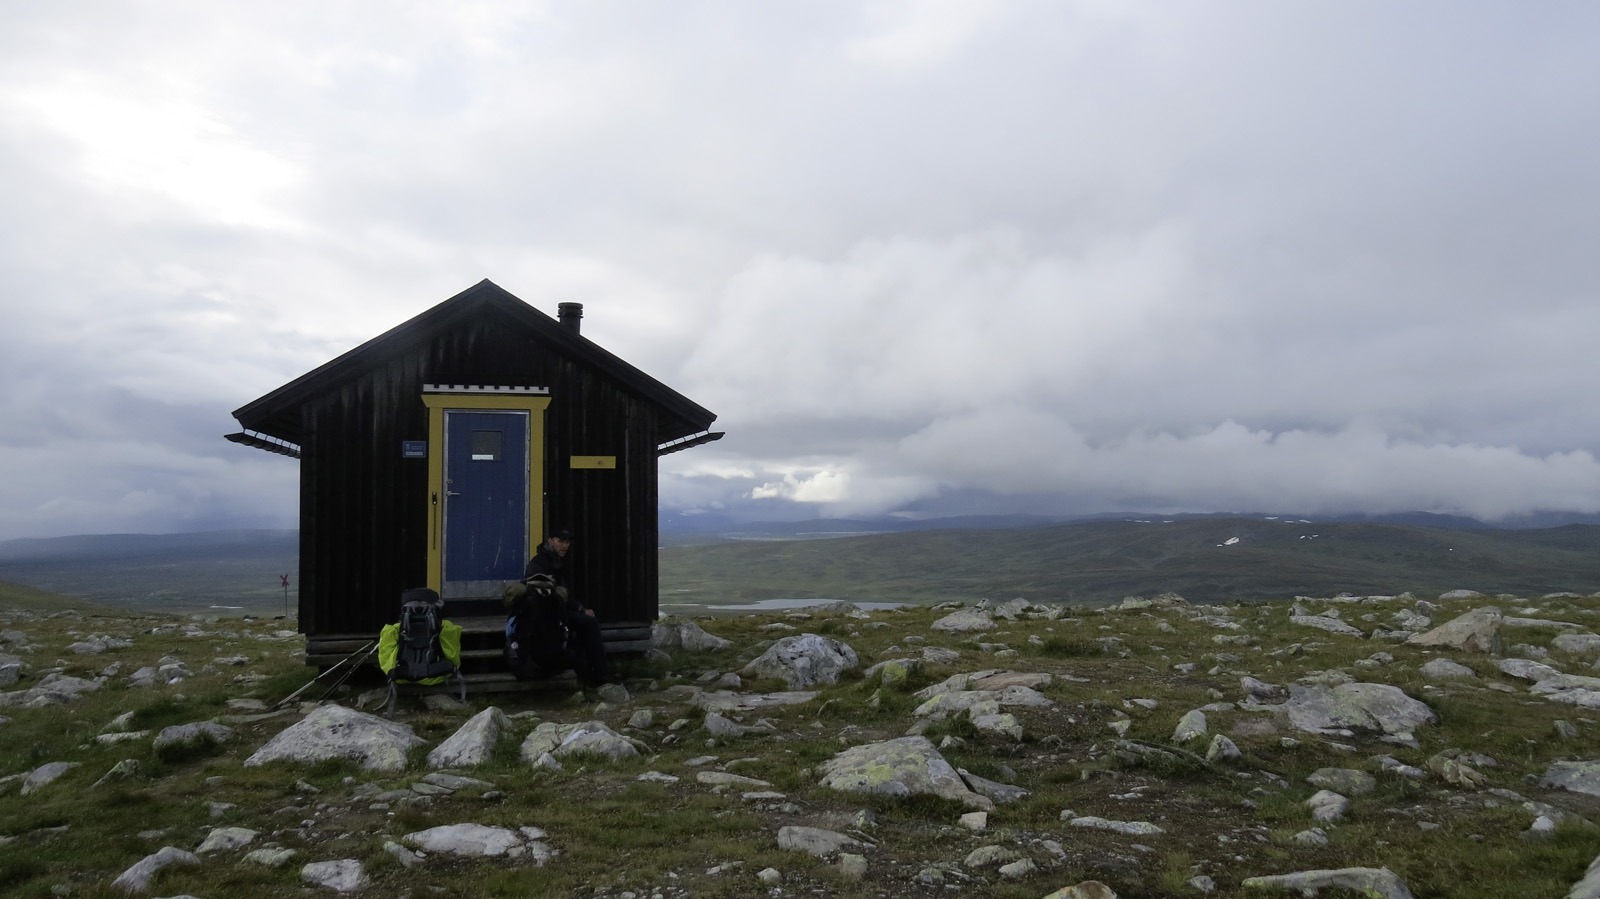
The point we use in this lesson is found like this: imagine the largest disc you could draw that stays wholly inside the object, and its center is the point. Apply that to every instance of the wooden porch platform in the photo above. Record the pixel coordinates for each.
(483, 642)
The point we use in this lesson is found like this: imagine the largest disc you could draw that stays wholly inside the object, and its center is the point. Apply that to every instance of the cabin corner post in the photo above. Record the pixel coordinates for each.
(441, 400)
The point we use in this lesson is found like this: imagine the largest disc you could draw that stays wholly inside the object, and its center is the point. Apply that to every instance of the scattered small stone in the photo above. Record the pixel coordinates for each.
(1315, 836)
(1133, 828)
(1327, 805)
(137, 878)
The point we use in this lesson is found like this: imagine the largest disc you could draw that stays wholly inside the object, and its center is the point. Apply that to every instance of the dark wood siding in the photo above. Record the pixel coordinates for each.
(364, 508)
(612, 512)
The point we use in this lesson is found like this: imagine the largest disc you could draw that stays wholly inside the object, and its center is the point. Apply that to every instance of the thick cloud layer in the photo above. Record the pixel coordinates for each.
(920, 257)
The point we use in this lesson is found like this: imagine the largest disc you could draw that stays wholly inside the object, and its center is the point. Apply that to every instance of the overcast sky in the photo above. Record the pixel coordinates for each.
(921, 258)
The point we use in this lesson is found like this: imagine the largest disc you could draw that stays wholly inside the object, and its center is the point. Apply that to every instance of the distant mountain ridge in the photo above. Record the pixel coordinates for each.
(1098, 562)
(1204, 558)
(192, 572)
(142, 545)
(681, 529)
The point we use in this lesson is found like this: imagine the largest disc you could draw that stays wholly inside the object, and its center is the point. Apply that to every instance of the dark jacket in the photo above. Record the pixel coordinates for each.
(545, 561)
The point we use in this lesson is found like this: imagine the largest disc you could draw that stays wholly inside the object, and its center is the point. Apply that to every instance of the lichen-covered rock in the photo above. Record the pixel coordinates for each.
(993, 789)
(478, 841)
(1190, 726)
(39, 777)
(1577, 776)
(335, 732)
(899, 767)
(1326, 805)
(964, 621)
(813, 840)
(1346, 709)
(1444, 669)
(1331, 625)
(195, 735)
(893, 672)
(1476, 631)
(672, 634)
(1572, 689)
(806, 660)
(343, 875)
(137, 878)
(591, 738)
(1131, 828)
(224, 839)
(52, 689)
(1343, 780)
(1578, 644)
(1222, 748)
(945, 704)
(1379, 883)
(473, 742)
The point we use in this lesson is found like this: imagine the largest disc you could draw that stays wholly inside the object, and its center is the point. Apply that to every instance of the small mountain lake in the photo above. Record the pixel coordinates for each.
(771, 605)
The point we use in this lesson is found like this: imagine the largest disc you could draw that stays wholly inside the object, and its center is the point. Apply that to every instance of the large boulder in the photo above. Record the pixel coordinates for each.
(45, 774)
(226, 839)
(335, 732)
(964, 621)
(814, 840)
(137, 878)
(198, 735)
(591, 738)
(942, 705)
(11, 669)
(1578, 644)
(1573, 689)
(1350, 708)
(1476, 631)
(52, 689)
(343, 875)
(1323, 623)
(807, 660)
(900, 767)
(988, 680)
(1444, 669)
(1578, 776)
(478, 841)
(670, 634)
(1378, 883)
(473, 742)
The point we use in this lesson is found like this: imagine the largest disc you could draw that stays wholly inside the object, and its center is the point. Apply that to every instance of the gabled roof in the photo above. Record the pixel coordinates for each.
(277, 414)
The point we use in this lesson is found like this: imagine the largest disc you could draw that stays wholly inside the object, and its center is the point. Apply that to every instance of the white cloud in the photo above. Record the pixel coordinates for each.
(1080, 255)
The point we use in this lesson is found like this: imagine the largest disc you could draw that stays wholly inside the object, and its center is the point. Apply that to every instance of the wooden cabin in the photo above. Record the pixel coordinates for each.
(441, 452)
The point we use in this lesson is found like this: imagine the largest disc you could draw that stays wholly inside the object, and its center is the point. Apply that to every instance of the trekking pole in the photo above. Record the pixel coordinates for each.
(351, 670)
(364, 651)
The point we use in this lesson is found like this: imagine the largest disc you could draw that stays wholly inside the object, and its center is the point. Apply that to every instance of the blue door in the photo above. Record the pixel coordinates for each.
(486, 501)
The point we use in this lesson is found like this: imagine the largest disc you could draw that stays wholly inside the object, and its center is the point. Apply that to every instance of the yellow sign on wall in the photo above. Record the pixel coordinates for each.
(594, 461)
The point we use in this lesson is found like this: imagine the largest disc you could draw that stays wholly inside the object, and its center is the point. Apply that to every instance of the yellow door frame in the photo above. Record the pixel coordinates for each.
(440, 400)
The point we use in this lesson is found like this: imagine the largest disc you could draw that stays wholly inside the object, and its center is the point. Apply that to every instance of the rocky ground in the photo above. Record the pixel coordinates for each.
(1383, 746)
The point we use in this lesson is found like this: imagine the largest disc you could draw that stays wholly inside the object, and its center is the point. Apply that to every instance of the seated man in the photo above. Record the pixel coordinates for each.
(583, 647)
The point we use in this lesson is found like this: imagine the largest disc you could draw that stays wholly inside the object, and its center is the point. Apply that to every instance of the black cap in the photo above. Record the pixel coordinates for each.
(562, 533)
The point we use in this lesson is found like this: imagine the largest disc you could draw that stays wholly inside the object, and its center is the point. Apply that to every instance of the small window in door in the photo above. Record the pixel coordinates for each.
(486, 445)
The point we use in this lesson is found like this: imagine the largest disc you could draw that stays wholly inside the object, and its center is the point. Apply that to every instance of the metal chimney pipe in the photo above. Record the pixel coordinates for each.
(571, 315)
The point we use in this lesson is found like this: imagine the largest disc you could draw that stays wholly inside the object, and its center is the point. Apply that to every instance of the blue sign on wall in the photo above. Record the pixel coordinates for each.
(413, 449)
